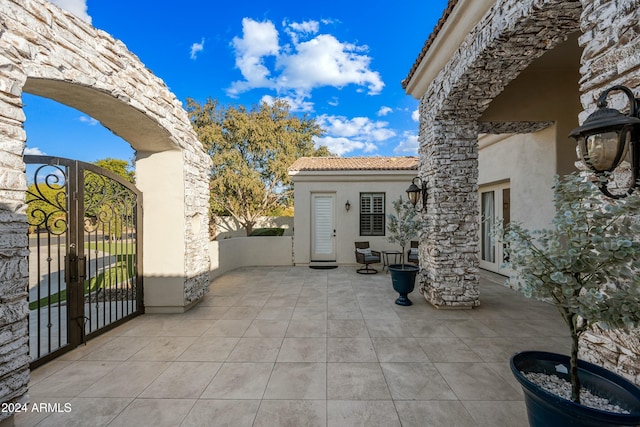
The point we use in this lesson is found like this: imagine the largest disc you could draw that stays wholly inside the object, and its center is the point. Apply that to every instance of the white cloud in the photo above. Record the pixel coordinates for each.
(359, 133)
(88, 120)
(408, 145)
(33, 151)
(384, 110)
(300, 66)
(297, 103)
(196, 48)
(295, 29)
(340, 146)
(77, 7)
(260, 40)
(415, 116)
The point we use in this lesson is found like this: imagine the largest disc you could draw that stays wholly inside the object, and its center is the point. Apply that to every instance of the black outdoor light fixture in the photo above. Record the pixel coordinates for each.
(607, 135)
(418, 187)
(347, 206)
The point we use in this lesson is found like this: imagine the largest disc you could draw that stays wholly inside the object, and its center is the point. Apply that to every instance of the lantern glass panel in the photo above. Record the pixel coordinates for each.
(601, 150)
(413, 196)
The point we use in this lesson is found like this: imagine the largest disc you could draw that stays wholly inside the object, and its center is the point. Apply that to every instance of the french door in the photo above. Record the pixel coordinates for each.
(495, 205)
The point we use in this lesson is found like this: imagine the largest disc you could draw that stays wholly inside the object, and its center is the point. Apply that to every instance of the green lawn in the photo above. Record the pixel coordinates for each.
(123, 268)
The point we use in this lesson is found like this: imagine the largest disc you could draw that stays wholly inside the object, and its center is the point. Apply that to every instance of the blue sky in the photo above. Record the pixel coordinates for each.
(340, 62)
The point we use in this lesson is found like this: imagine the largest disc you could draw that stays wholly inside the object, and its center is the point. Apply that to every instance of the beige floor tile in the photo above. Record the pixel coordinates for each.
(88, 412)
(275, 313)
(416, 381)
(154, 413)
(239, 381)
(164, 349)
(387, 328)
(350, 350)
(30, 418)
(185, 327)
(447, 349)
(73, 380)
(292, 413)
(228, 328)
(341, 338)
(345, 328)
(303, 350)
(429, 328)
(398, 350)
(182, 380)
(470, 328)
(356, 381)
(310, 313)
(297, 381)
(261, 328)
(119, 348)
(476, 381)
(129, 379)
(222, 413)
(205, 312)
(209, 349)
(377, 413)
(47, 370)
(241, 313)
(435, 413)
(255, 350)
(489, 414)
(306, 328)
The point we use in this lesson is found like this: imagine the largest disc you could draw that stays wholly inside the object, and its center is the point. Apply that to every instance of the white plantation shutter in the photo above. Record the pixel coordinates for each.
(323, 231)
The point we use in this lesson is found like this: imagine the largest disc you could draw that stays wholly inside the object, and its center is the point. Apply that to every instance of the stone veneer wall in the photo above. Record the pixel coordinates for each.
(40, 41)
(505, 42)
(611, 56)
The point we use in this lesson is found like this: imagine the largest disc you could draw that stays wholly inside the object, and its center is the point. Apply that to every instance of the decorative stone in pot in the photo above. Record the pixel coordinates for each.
(403, 278)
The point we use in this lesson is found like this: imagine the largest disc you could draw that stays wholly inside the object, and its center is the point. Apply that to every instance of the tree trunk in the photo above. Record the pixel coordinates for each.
(573, 370)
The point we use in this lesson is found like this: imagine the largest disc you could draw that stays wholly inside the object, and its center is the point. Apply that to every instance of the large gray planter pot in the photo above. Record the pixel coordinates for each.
(403, 278)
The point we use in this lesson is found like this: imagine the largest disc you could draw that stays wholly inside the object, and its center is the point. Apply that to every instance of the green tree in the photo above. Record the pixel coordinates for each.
(107, 202)
(251, 151)
(119, 167)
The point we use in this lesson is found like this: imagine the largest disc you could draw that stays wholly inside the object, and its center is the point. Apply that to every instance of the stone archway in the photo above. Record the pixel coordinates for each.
(48, 52)
(508, 37)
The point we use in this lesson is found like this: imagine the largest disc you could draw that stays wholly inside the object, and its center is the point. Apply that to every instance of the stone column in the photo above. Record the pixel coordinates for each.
(449, 244)
(611, 43)
(14, 274)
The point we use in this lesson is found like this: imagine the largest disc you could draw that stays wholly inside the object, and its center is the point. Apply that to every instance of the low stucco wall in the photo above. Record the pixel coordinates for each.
(229, 254)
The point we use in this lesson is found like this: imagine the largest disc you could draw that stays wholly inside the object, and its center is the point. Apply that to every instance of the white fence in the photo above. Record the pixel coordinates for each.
(227, 227)
(229, 254)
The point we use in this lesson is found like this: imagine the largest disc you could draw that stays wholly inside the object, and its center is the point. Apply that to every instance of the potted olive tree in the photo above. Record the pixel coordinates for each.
(403, 227)
(588, 266)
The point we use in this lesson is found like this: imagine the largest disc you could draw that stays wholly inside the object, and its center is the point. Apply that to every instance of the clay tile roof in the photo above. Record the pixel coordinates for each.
(353, 163)
(430, 40)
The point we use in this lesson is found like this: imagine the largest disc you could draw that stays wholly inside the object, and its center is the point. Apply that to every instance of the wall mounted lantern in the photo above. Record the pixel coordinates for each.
(607, 135)
(347, 206)
(418, 187)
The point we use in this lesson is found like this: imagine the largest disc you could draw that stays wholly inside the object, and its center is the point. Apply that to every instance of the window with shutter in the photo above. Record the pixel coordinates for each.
(372, 215)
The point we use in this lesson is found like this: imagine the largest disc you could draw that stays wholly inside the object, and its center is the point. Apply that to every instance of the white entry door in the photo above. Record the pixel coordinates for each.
(495, 204)
(323, 229)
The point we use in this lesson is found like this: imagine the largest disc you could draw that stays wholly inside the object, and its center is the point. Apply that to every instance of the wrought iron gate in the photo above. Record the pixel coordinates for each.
(85, 253)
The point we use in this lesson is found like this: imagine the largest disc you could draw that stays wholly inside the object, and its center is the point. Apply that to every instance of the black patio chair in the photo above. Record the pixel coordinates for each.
(366, 256)
(412, 253)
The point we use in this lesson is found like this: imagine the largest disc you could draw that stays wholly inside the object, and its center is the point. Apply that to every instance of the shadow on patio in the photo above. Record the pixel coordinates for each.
(293, 346)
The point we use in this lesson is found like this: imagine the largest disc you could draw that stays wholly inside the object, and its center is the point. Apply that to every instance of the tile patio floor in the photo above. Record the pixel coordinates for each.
(301, 347)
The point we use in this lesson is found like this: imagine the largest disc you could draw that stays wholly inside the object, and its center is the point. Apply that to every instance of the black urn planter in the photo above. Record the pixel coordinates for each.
(546, 409)
(403, 278)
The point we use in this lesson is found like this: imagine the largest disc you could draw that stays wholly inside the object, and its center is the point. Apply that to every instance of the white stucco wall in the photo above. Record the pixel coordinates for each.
(346, 185)
(229, 254)
(524, 160)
